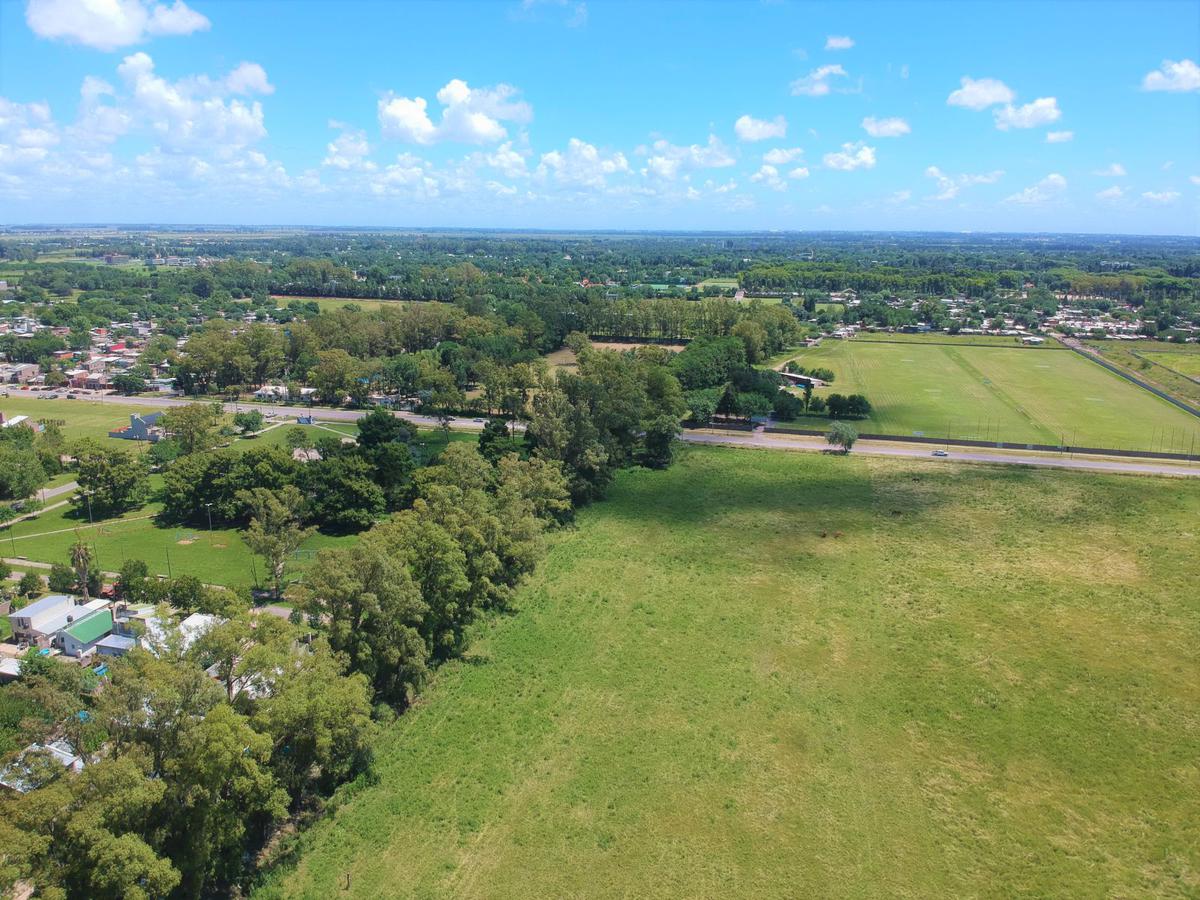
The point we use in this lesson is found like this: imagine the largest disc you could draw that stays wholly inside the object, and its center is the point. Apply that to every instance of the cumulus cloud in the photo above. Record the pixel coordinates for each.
(852, 156)
(890, 127)
(249, 78)
(980, 93)
(1115, 170)
(1041, 111)
(769, 176)
(111, 24)
(816, 82)
(469, 115)
(189, 112)
(667, 160)
(349, 150)
(1116, 192)
(1059, 137)
(1046, 189)
(1173, 76)
(748, 128)
(838, 42)
(581, 165)
(949, 186)
(1194, 179)
(1161, 197)
(781, 156)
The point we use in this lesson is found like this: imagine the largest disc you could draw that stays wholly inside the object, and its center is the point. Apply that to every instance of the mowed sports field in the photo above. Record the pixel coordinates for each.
(791, 675)
(1020, 395)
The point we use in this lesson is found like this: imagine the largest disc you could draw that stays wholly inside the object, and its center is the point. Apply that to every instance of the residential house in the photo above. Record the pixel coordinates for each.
(142, 427)
(18, 776)
(41, 619)
(80, 637)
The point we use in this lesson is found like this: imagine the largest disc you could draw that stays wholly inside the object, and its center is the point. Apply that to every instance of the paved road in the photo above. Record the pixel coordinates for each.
(815, 444)
(734, 439)
(61, 489)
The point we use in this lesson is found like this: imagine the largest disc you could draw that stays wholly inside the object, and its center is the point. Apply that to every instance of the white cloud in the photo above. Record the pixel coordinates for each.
(1046, 189)
(1173, 76)
(110, 24)
(980, 93)
(249, 78)
(781, 156)
(581, 165)
(748, 128)
(798, 173)
(950, 185)
(852, 156)
(190, 112)
(1041, 111)
(507, 160)
(668, 160)
(838, 42)
(891, 127)
(769, 176)
(469, 115)
(816, 82)
(1059, 137)
(1161, 197)
(1116, 192)
(1115, 170)
(349, 150)
(1194, 179)
(900, 196)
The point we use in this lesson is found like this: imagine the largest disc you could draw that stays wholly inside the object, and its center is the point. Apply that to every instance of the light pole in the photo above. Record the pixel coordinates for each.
(208, 509)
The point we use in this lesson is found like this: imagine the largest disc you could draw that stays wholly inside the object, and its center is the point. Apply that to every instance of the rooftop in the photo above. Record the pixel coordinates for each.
(91, 627)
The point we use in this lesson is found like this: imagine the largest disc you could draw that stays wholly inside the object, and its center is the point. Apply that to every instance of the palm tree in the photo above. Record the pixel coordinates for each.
(81, 562)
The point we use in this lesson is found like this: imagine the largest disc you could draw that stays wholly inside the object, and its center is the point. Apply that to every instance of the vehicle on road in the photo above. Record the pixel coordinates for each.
(940, 453)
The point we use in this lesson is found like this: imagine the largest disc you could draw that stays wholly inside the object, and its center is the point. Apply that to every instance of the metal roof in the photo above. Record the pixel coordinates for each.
(91, 627)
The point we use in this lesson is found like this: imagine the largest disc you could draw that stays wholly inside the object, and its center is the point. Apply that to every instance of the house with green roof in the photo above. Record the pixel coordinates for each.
(82, 635)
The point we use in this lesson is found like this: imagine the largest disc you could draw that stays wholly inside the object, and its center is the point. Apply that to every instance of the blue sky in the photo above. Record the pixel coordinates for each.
(546, 114)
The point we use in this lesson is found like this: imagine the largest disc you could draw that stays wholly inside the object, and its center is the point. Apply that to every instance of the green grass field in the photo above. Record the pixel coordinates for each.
(219, 557)
(328, 304)
(1182, 361)
(958, 340)
(982, 682)
(1000, 394)
(78, 418)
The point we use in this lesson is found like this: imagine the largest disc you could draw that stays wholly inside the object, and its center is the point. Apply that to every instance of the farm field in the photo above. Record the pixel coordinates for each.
(980, 680)
(1000, 394)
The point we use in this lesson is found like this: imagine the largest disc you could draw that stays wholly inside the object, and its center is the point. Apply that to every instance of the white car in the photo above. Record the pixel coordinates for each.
(940, 453)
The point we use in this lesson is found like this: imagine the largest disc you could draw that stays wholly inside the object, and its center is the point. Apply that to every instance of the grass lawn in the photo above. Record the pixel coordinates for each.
(1186, 362)
(329, 304)
(961, 340)
(983, 682)
(217, 558)
(1152, 362)
(992, 393)
(79, 418)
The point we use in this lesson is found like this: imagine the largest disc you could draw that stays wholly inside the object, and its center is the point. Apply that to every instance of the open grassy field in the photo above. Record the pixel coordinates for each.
(219, 557)
(979, 682)
(327, 304)
(1186, 362)
(77, 418)
(1002, 394)
(958, 340)
(1169, 368)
